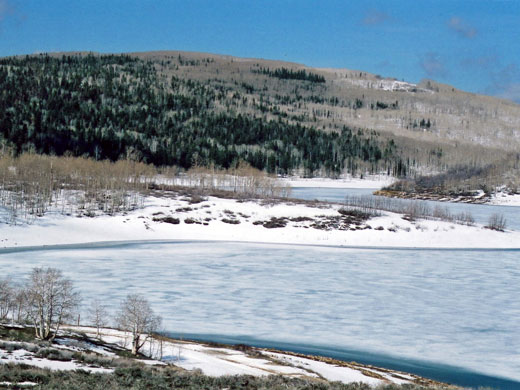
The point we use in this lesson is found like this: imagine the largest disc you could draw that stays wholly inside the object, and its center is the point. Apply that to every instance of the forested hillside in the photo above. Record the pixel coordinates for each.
(196, 109)
(121, 107)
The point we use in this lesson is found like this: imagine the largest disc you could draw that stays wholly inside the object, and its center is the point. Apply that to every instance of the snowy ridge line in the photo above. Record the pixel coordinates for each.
(129, 243)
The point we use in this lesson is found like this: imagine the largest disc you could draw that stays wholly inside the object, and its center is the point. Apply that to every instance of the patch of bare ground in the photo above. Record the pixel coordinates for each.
(347, 220)
(472, 197)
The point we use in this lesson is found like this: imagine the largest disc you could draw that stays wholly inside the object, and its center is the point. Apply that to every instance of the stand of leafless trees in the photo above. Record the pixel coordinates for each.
(48, 299)
(413, 209)
(32, 185)
(44, 302)
(52, 300)
(242, 179)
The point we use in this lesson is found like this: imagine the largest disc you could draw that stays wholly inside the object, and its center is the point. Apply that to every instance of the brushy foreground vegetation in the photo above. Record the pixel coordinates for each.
(139, 377)
(129, 373)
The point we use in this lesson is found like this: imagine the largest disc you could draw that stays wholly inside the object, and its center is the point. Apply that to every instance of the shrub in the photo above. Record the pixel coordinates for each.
(230, 221)
(54, 354)
(173, 221)
(356, 213)
(195, 198)
(274, 223)
(497, 222)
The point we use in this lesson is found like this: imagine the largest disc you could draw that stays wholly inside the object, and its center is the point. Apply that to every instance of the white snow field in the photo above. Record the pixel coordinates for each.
(207, 223)
(504, 199)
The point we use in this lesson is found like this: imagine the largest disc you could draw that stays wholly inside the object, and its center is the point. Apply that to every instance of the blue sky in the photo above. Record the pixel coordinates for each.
(471, 44)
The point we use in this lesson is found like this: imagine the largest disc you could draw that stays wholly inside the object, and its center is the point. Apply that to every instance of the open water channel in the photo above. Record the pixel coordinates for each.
(452, 315)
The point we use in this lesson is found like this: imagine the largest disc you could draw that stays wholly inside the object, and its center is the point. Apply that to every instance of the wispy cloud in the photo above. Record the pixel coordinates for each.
(505, 83)
(374, 17)
(485, 62)
(433, 65)
(462, 28)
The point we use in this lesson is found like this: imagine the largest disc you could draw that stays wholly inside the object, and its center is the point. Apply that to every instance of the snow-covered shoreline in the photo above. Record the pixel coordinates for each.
(218, 219)
(225, 360)
(211, 360)
(370, 182)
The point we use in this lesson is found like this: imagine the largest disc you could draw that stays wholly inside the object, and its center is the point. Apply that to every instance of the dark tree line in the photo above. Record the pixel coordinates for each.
(117, 107)
(289, 74)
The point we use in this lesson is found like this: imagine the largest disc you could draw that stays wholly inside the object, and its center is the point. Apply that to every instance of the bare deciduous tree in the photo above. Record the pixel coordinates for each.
(7, 293)
(98, 315)
(51, 300)
(137, 317)
(20, 305)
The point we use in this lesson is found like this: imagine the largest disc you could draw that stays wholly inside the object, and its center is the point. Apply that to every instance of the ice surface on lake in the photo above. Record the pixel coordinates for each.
(455, 307)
